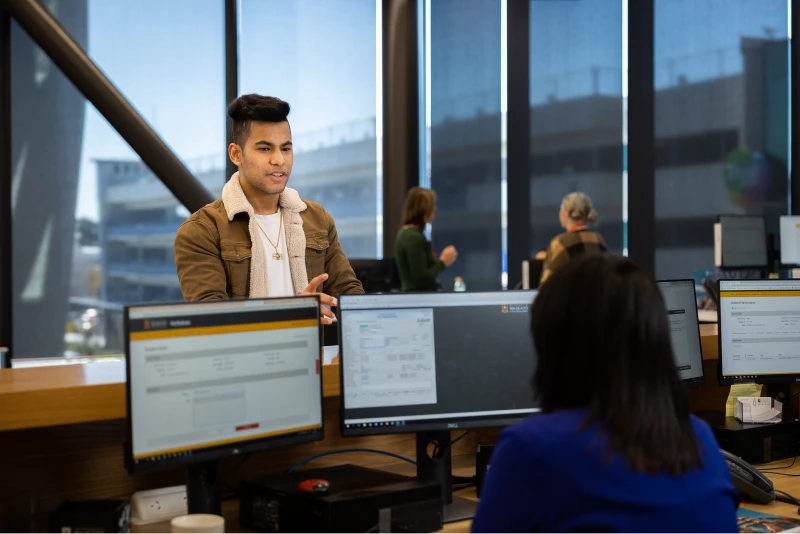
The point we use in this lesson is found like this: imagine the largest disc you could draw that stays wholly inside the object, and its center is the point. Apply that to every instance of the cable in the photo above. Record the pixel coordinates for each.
(790, 397)
(779, 474)
(782, 496)
(783, 467)
(237, 466)
(342, 451)
(437, 448)
(771, 469)
(459, 438)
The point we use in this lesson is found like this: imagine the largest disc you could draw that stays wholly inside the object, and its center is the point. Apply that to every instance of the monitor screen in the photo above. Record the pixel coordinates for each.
(759, 330)
(684, 328)
(790, 240)
(212, 379)
(376, 276)
(531, 273)
(741, 243)
(435, 361)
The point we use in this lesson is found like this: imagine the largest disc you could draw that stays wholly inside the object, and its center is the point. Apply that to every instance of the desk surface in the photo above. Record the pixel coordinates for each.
(34, 397)
(80, 393)
(462, 466)
(789, 484)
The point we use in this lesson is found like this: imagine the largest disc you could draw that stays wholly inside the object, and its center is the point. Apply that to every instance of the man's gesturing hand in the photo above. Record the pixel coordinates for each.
(327, 316)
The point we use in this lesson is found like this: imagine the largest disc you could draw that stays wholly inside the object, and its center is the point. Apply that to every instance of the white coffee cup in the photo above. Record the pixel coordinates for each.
(198, 523)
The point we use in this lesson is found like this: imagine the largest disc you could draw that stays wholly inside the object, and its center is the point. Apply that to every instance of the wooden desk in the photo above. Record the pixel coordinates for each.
(462, 467)
(38, 397)
(62, 429)
(80, 393)
(789, 484)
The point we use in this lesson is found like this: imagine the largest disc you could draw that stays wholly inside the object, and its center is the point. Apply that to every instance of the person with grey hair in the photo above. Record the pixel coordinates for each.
(575, 215)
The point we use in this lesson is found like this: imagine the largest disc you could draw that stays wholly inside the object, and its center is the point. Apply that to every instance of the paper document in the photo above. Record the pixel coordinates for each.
(740, 390)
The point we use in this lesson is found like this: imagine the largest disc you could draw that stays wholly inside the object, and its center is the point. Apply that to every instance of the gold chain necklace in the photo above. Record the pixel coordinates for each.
(277, 254)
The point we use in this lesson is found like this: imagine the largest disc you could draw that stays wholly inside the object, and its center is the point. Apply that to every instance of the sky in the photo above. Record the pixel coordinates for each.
(167, 58)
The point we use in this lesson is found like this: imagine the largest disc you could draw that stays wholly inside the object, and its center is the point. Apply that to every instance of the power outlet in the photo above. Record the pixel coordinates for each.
(152, 510)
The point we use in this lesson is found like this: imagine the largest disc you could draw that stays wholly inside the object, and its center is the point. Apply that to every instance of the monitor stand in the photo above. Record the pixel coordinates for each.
(203, 488)
(439, 468)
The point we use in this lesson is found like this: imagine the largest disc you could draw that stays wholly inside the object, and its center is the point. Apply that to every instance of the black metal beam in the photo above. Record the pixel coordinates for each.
(518, 139)
(641, 134)
(400, 113)
(6, 311)
(231, 72)
(68, 55)
(795, 100)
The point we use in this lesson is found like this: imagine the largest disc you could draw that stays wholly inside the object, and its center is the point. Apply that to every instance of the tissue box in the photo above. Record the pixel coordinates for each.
(758, 410)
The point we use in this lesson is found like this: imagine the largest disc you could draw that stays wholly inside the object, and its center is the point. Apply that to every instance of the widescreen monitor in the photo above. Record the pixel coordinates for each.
(431, 363)
(681, 302)
(435, 361)
(740, 242)
(759, 330)
(790, 240)
(208, 380)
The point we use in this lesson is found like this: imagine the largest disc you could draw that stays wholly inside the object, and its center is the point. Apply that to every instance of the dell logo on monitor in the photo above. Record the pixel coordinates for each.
(452, 425)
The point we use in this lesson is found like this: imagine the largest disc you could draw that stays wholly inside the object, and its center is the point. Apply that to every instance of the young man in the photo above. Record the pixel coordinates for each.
(261, 239)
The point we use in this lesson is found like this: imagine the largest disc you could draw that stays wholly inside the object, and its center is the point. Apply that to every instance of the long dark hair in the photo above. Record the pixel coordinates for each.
(600, 330)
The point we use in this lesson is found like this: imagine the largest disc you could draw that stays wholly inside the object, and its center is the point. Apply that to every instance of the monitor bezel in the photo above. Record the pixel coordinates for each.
(725, 267)
(424, 425)
(780, 243)
(210, 454)
(758, 379)
(697, 382)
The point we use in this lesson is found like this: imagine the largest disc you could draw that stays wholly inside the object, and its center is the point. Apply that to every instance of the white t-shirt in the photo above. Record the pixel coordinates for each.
(279, 277)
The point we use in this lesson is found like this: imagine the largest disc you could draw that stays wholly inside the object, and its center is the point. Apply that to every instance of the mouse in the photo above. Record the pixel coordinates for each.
(315, 485)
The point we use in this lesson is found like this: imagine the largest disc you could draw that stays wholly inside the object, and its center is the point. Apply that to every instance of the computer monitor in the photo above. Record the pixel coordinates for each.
(684, 329)
(433, 362)
(759, 331)
(376, 276)
(531, 273)
(740, 242)
(790, 240)
(213, 379)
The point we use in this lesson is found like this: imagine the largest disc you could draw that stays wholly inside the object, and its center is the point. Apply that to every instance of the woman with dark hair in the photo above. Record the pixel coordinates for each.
(416, 264)
(615, 447)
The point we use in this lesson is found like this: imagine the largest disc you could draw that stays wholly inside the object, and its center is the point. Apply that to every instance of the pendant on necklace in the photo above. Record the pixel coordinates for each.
(277, 256)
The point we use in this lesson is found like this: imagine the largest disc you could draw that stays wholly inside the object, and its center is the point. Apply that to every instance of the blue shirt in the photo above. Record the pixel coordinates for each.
(548, 474)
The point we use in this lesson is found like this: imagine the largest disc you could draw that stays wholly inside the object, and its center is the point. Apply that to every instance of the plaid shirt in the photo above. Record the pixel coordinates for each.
(569, 245)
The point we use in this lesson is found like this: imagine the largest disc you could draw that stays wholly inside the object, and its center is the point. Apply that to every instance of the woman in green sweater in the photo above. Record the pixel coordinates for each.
(413, 252)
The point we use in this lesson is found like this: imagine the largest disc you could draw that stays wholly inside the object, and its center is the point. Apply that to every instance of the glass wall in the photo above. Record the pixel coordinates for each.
(92, 226)
(576, 114)
(464, 133)
(721, 122)
(326, 64)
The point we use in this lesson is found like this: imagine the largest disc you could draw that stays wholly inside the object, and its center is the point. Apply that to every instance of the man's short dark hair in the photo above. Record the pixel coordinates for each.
(252, 107)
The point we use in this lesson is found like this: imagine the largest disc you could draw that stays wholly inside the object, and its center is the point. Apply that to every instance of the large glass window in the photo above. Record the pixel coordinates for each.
(721, 122)
(576, 114)
(324, 59)
(93, 228)
(464, 135)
